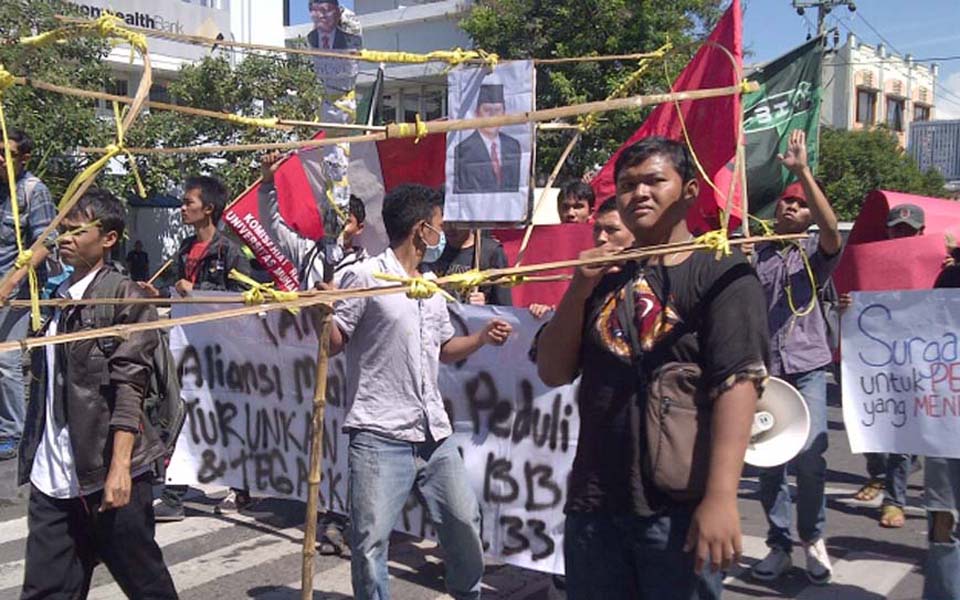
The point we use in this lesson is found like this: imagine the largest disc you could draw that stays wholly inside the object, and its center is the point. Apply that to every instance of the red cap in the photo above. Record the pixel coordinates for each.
(794, 190)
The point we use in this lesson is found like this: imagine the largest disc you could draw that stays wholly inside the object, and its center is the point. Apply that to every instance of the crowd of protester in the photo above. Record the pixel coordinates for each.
(619, 328)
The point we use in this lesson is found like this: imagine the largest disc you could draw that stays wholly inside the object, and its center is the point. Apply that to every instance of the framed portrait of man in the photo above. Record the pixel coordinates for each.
(488, 169)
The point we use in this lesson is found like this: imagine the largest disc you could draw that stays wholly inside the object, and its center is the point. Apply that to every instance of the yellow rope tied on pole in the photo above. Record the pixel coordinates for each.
(272, 122)
(467, 280)
(417, 130)
(107, 26)
(259, 292)
(112, 150)
(141, 191)
(513, 281)
(418, 288)
(715, 240)
(454, 57)
(24, 256)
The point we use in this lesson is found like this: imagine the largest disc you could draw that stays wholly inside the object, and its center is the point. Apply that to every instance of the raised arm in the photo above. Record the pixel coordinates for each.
(795, 161)
(287, 239)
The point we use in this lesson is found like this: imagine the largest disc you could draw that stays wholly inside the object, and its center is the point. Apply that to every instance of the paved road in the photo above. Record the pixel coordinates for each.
(257, 555)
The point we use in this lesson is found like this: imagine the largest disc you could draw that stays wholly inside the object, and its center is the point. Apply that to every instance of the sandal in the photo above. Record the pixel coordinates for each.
(869, 491)
(892, 516)
(333, 543)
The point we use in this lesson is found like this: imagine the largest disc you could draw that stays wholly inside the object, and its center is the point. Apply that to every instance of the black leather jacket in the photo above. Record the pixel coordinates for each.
(100, 384)
(213, 272)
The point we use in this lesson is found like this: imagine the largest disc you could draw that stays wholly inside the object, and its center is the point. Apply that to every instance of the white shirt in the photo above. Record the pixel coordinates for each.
(53, 471)
(393, 355)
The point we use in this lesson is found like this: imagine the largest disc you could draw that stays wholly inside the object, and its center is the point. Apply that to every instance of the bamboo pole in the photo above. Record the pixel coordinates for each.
(493, 277)
(286, 124)
(528, 232)
(407, 130)
(321, 143)
(316, 459)
(160, 271)
(13, 277)
(351, 55)
(557, 126)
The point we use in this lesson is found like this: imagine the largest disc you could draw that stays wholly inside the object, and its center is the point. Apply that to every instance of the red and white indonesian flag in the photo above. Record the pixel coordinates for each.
(375, 168)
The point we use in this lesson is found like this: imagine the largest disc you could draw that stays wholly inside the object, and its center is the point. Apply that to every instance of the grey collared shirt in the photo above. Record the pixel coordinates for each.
(798, 342)
(393, 356)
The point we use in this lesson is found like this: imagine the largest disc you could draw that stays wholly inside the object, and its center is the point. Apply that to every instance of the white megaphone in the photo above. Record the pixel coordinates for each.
(781, 425)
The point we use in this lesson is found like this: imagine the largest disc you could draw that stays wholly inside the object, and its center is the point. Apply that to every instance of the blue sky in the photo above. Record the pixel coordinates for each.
(923, 28)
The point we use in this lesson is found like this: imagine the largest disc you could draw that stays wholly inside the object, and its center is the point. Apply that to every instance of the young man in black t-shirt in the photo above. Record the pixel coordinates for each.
(624, 538)
(459, 256)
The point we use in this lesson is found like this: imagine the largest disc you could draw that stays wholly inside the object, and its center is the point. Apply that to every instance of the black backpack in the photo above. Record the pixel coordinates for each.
(163, 407)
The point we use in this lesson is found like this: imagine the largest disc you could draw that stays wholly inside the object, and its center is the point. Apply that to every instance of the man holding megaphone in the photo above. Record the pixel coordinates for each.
(791, 275)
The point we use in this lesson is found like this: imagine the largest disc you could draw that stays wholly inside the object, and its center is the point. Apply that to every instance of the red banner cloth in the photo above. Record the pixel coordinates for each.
(871, 262)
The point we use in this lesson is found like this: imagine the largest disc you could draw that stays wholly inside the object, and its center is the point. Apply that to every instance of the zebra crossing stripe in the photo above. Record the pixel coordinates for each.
(862, 576)
(205, 568)
(11, 573)
(14, 529)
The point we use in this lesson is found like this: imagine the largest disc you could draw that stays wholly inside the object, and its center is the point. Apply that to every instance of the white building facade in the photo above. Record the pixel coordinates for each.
(865, 86)
(254, 21)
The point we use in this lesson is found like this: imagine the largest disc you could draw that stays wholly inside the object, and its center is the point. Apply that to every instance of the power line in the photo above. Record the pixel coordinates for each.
(874, 30)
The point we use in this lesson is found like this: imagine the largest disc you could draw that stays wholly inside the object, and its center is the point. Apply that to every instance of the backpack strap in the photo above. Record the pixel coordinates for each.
(103, 315)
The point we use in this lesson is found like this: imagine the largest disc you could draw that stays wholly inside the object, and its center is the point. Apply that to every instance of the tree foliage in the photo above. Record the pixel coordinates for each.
(255, 85)
(854, 163)
(517, 29)
(58, 124)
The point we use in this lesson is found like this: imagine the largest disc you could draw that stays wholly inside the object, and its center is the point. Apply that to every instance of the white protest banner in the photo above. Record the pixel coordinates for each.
(249, 383)
(901, 372)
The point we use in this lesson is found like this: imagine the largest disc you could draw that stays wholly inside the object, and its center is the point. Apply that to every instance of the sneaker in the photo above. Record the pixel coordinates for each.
(776, 563)
(819, 570)
(234, 502)
(164, 512)
(8, 448)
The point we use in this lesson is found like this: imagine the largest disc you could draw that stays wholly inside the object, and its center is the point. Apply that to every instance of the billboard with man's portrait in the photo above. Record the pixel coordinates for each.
(488, 169)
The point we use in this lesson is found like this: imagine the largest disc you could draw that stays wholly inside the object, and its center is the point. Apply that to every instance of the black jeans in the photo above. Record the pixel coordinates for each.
(68, 537)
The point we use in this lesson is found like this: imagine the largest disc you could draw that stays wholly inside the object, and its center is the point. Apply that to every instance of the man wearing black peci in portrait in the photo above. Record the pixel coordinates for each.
(488, 160)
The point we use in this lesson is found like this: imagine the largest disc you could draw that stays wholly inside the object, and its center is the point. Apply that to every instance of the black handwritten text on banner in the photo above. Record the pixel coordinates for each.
(249, 385)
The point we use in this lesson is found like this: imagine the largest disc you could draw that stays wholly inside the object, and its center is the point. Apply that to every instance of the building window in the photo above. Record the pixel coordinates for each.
(159, 93)
(433, 104)
(388, 108)
(866, 107)
(116, 87)
(921, 112)
(895, 113)
(410, 100)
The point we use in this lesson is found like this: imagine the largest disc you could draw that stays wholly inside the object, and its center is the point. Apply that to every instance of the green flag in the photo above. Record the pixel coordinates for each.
(369, 107)
(788, 99)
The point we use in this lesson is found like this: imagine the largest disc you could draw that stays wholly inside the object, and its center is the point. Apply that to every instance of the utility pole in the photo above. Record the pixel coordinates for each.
(823, 9)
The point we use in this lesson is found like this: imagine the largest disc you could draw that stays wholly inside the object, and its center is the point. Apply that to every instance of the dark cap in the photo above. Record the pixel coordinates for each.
(911, 214)
(490, 94)
(312, 2)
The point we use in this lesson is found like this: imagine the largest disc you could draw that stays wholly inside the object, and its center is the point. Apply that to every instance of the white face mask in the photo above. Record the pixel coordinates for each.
(433, 253)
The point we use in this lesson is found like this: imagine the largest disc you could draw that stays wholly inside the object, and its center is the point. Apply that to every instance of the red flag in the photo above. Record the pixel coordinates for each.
(711, 124)
(300, 192)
